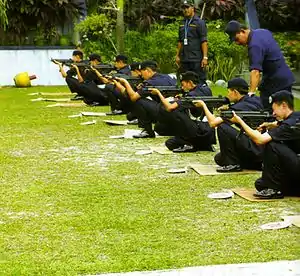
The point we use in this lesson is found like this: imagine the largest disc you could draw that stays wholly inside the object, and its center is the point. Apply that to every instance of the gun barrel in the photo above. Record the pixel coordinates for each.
(63, 61)
(228, 114)
(162, 88)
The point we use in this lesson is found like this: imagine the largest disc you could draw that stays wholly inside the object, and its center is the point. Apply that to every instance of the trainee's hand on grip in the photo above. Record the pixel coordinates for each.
(223, 107)
(75, 66)
(267, 125)
(198, 103)
(121, 80)
(235, 118)
(154, 91)
(93, 68)
(56, 62)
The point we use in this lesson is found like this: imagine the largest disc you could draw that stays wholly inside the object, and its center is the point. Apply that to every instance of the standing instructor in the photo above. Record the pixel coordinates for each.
(192, 46)
(265, 57)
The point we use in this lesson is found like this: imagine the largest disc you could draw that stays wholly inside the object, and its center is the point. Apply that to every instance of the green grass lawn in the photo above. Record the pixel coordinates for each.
(73, 201)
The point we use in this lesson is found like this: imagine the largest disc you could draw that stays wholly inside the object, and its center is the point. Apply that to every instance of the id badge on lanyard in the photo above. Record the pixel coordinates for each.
(186, 28)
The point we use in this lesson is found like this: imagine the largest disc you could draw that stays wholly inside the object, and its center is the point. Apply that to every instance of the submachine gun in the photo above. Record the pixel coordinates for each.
(210, 101)
(252, 118)
(103, 68)
(133, 81)
(166, 91)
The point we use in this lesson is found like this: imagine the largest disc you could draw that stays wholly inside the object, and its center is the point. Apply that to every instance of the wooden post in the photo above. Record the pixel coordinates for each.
(120, 30)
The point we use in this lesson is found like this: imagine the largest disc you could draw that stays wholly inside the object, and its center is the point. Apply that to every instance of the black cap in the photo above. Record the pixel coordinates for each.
(190, 76)
(232, 28)
(77, 53)
(149, 64)
(188, 3)
(282, 96)
(95, 57)
(121, 58)
(135, 66)
(239, 84)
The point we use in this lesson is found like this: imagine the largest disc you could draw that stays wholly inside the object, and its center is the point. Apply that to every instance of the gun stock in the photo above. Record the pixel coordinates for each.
(210, 101)
(166, 91)
(251, 118)
(133, 81)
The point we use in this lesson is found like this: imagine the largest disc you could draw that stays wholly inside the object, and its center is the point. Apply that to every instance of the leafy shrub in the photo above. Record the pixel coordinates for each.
(225, 59)
(97, 35)
(160, 44)
(27, 18)
(290, 46)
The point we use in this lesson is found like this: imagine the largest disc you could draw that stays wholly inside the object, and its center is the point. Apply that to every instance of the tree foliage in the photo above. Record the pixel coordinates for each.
(278, 15)
(3, 16)
(40, 17)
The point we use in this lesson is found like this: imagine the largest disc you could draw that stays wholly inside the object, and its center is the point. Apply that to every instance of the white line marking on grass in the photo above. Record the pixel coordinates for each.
(279, 268)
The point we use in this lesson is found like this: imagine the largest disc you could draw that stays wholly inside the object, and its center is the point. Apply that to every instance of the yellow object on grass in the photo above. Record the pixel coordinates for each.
(23, 79)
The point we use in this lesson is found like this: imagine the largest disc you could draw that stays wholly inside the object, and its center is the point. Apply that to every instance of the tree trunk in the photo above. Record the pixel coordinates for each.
(120, 26)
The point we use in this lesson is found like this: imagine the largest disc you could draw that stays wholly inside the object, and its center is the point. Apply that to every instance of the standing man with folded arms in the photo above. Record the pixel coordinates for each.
(265, 57)
(192, 49)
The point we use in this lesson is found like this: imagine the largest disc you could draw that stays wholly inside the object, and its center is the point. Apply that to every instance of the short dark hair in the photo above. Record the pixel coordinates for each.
(190, 76)
(95, 57)
(77, 53)
(238, 84)
(135, 66)
(121, 58)
(149, 64)
(283, 96)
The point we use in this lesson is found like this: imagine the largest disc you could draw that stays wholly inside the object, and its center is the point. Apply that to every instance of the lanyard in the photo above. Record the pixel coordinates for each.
(186, 27)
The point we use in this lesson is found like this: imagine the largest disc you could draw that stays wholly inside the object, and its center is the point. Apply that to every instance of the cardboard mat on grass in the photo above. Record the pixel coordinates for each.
(248, 194)
(67, 105)
(211, 170)
(129, 133)
(51, 94)
(51, 100)
(161, 150)
(294, 219)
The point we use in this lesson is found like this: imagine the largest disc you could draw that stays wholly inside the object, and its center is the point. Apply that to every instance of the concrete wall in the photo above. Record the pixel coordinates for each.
(35, 62)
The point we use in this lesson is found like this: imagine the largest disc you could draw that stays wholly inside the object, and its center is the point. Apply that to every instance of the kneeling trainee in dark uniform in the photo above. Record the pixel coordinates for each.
(237, 151)
(281, 161)
(88, 89)
(146, 109)
(72, 82)
(190, 135)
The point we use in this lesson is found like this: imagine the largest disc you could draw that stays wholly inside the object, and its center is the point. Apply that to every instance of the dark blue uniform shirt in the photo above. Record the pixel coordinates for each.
(287, 135)
(125, 70)
(247, 103)
(266, 56)
(201, 90)
(196, 35)
(157, 80)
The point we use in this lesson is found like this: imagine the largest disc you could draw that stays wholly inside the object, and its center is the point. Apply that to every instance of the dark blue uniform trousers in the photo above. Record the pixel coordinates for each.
(281, 169)
(237, 149)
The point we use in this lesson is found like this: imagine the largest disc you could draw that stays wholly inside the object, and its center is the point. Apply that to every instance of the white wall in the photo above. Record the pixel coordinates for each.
(35, 62)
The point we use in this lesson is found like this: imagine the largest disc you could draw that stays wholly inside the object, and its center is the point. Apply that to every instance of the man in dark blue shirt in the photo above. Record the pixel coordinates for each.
(189, 135)
(145, 109)
(281, 161)
(192, 46)
(122, 66)
(265, 57)
(237, 151)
